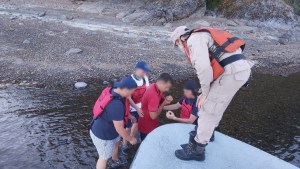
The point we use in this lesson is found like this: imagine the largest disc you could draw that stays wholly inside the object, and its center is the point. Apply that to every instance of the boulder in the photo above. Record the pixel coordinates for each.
(158, 12)
(157, 152)
(262, 10)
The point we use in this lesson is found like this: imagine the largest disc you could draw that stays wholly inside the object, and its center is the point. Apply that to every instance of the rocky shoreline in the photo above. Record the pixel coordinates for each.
(47, 45)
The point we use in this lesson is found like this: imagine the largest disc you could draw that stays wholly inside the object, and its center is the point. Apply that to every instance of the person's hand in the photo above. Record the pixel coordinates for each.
(170, 115)
(133, 141)
(140, 112)
(168, 100)
(200, 101)
(132, 118)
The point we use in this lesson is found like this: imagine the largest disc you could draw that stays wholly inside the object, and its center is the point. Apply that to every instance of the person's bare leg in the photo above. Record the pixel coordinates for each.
(101, 164)
(124, 141)
(134, 129)
(116, 149)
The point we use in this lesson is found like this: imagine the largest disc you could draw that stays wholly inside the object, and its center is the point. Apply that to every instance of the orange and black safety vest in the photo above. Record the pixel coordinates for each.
(224, 42)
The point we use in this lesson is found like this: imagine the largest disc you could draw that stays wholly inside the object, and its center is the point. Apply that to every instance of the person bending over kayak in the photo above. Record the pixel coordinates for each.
(110, 112)
(153, 102)
(189, 110)
(142, 81)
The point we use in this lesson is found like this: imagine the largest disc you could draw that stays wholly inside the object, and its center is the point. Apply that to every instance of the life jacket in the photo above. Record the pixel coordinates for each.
(186, 110)
(224, 42)
(104, 99)
(139, 92)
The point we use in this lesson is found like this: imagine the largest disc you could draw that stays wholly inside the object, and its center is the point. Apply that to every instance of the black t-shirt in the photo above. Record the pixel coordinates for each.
(103, 127)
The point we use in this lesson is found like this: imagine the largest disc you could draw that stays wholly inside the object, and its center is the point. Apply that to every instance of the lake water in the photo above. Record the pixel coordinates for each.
(44, 128)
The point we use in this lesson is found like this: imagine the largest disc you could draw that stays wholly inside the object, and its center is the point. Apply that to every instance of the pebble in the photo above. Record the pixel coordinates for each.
(65, 32)
(69, 17)
(283, 41)
(74, 51)
(13, 17)
(41, 14)
(80, 85)
(26, 41)
(105, 83)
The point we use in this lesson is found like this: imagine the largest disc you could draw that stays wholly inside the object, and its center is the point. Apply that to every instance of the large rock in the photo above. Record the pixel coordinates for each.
(262, 10)
(161, 11)
(157, 152)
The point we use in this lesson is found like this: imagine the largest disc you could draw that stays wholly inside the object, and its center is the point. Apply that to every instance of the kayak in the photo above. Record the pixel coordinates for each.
(157, 152)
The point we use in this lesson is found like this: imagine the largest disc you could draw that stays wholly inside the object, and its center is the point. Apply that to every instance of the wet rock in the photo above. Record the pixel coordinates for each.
(105, 83)
(41, 14)
(74, 51)
(80, 85)
(26, 41)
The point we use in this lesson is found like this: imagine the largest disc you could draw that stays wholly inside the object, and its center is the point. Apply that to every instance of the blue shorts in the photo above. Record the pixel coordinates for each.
(134, 114)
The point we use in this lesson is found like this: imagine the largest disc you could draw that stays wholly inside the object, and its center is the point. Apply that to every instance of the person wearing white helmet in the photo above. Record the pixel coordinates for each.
(222, 70)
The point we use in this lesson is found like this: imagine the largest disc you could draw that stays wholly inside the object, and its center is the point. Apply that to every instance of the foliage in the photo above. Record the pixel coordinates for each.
(295, 4)
(212, 4)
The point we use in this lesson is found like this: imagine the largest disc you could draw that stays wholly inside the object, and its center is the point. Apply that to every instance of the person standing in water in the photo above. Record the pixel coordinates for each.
(153, 102)
(142, 81)
(111, 112)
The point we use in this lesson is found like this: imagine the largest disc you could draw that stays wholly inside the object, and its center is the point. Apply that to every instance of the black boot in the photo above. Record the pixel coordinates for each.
(193, 151)
(193, 134)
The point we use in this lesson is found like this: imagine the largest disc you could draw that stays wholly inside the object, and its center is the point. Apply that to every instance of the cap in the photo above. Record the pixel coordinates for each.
(179, 31)
(143, 65)
(126, 82)
(191, 85)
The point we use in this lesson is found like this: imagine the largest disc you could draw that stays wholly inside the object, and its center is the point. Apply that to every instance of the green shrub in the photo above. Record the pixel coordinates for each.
(212, 4)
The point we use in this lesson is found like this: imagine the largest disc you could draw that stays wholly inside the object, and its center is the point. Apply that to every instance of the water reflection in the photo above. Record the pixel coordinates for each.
(42, 128)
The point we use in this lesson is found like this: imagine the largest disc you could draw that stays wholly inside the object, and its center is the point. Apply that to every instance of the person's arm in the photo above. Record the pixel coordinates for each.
(119, 125)
(140, 112)
(155, 115)
(187, 121)
(172, 106)
(170, 115)
(198, 45)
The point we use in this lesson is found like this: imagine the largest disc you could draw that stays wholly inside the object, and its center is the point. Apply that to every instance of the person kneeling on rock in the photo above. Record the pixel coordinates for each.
(189, 110)
(111, 112)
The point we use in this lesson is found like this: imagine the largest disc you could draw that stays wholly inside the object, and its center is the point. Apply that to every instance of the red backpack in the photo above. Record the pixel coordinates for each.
(103, 100)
